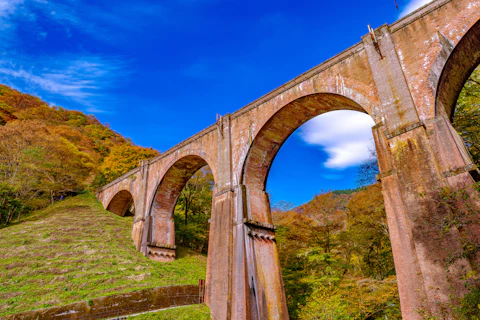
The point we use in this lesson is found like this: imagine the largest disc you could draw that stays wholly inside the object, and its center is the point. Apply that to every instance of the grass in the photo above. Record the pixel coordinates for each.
(198, 312)
(75, 250)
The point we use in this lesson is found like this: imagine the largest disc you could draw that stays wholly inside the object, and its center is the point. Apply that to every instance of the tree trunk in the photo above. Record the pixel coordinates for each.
(186, 210)
(11, 211)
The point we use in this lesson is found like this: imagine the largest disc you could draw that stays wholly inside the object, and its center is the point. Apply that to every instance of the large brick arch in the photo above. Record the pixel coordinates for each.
(464, 58)
(120, 202)
(311, 94)
(161, 237)
(260, 157)
(281, 125)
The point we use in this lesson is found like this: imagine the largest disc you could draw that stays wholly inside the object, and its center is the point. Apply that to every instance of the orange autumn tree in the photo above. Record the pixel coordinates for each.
(38, 164)
(327, 210)
(123, 158)
(47, 152)
(336, 257)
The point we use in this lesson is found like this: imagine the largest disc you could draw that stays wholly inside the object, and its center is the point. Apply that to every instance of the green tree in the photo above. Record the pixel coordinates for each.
(466, 119)
(39, 163)
(193, 210)
(9, 204)
(367, 227)
(327, 210)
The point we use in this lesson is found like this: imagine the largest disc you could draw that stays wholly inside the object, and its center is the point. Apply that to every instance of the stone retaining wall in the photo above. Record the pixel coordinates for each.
(119, 304)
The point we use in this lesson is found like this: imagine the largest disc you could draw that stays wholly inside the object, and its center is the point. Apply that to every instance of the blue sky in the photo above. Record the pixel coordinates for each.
(160, 71)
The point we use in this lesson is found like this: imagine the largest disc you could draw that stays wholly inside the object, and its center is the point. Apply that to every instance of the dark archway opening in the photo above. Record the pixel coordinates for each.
(122, 204)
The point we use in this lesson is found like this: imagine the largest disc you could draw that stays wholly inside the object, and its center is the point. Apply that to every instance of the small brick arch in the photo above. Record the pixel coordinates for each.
(120, 203)
(161, 237)
(464, 58)
(172, 183)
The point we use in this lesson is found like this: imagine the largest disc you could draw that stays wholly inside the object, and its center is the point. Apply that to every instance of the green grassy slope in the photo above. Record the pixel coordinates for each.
(75, 250)
(197, 312)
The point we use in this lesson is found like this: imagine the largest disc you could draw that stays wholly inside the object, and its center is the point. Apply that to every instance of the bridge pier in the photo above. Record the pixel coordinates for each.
(414, 172)
(162, 247)
(423, 245)
(244, 279)
(219, 272)
(267, 294)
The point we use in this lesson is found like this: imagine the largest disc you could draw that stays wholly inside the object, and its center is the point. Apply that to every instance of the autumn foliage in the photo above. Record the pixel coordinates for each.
(123, 158)
(50, 152)
(336, 257)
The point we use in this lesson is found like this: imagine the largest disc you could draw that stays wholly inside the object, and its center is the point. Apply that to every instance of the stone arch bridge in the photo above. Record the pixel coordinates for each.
(407, 77)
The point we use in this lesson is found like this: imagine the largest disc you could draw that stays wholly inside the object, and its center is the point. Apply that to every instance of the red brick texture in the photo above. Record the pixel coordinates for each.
(407, 79)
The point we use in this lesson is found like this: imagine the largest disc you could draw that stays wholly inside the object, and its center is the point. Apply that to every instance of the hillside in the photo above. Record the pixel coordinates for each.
(75, 250)
(47, 152)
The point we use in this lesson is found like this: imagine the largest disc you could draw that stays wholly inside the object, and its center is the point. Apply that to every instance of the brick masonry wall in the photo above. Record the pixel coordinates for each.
(119, 304)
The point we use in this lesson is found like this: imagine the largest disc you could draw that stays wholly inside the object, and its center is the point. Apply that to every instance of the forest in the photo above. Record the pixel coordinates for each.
(47, 153)
(334, 251)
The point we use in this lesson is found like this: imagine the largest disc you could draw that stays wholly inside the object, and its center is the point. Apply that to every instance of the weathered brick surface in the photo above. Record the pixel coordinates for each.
(117, 305)
(407, 80)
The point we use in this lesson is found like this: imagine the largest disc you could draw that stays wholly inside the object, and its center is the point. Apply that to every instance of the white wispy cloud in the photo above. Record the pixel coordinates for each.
(344, 135)
(105, 23)
(412, 6)
(8, 7)
(79, 22)
(79, 78)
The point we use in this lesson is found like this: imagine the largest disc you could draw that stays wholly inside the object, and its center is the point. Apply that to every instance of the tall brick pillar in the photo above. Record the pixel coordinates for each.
(415, 164)
(257, 285)
(145, 217)
(243, 274)
(265, 291)
(140, 206)
(219, 276)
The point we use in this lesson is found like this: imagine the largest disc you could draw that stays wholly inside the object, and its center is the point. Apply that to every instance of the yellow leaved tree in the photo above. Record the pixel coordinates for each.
(123, 158)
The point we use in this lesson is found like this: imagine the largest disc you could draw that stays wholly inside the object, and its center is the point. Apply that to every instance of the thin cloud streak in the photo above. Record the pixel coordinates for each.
(344, 135)
(81, 79)
(99, 23)
(412, 6)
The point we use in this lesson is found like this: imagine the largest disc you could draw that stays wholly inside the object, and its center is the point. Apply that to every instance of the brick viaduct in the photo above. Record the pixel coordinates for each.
(407, 78)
